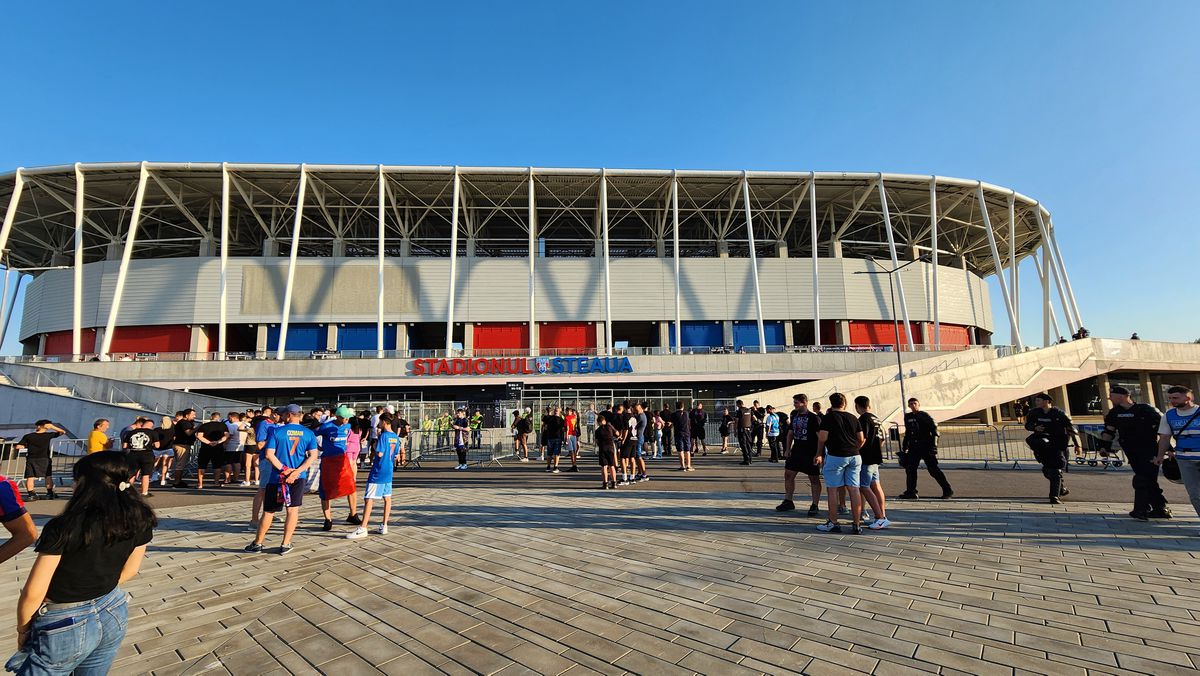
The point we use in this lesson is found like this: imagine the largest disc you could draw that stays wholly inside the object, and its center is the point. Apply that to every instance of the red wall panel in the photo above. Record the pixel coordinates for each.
(865, 332)
(567, 336)
(501, 336)
(171, 338)
(59, 342)
(953, 334)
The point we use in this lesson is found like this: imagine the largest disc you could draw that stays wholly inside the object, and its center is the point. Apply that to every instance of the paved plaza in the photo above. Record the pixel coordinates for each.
(554, 578)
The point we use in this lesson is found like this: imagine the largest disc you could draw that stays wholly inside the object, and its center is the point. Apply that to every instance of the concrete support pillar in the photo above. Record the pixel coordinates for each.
(470, 247)
(722, 249)
(99, 339)
(1103, 385)
(406, 247)
(782, 247)
(113, 251)
(468, 339)
(1148, 393)
(998, 415)
(987, 416)
(843, 332)
(260, 338)
(339, 248)
(835, 248)
(402, 338)
(207, 248)
(331, 336)
(199, 339)
(59, 258)
(1062, 399)
(789, 333)
(270, 248)
(727, 332)
(600, 338)
(41, 346)
(664, 335)
(660, 248)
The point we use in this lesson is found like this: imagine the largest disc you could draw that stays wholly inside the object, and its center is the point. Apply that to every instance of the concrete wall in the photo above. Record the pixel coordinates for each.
(339, 290)
(19, 405)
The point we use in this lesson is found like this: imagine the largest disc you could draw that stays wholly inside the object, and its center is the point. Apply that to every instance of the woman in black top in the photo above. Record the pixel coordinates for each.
(72, 614)
(726, 421)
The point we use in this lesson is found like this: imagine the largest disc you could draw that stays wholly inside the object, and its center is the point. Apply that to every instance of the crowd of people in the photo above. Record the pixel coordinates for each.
(97, 542)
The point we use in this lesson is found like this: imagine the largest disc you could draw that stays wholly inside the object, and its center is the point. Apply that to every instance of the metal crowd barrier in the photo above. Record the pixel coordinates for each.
(495, 444)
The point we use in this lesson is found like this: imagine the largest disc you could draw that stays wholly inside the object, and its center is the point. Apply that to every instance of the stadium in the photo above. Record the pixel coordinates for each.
(275, 280)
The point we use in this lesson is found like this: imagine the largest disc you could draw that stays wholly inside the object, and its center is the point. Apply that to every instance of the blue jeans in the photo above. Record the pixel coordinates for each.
(74, 638)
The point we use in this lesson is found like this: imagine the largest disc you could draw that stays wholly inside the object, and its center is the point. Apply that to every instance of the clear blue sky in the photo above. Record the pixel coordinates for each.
(1089, 106)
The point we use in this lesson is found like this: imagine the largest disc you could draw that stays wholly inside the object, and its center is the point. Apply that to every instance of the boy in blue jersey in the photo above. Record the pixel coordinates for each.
(338, 475)
(379, 481)
(290, 450)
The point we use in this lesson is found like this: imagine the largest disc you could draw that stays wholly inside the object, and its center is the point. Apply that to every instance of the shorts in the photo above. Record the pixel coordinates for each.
(629, 449)
(607, 457)
(867, 475)
(233, 457)
(683, 444)
(521, 437)
(211, 455)
(571, 445)
(271, 501)
(183, 455)
(554, 447)
(378, 491)
(140, 461)
(698, 433)
(801, 461)
(37, 467)
(841, 471)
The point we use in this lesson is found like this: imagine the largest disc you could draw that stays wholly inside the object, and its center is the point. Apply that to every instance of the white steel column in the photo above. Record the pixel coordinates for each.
(816, 277)
(933, 243)
(77, 272)
(379, 293)
(762, 335)
(123, 271)
(675, 243)
(1048, 320)
(1012, 267)
(1062, 269)
(608, 341)
(6, 317)
(991, 235)
(453, 265)
(1054, 270)
(223, 316)
(11, 213)
(887, 222)
(291, 274)
(534, 339)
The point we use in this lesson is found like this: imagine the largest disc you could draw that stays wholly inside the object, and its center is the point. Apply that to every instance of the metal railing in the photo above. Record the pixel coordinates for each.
(1002, 350)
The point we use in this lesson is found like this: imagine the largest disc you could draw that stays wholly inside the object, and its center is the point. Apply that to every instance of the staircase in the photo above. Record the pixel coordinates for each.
(985, 378)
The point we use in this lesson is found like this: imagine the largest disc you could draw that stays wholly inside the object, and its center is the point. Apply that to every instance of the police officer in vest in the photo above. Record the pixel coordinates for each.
(920, 444)
(1137, 427)
(1052, 430)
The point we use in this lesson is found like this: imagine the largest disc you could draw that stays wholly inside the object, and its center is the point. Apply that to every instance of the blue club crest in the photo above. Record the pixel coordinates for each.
(542, 364)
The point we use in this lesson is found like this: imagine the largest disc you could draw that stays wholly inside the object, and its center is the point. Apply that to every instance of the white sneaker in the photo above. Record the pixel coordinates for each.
(880, 524)
(524, 459)
(357, 533)
(245, 484)
(383, 529)
(554, 471)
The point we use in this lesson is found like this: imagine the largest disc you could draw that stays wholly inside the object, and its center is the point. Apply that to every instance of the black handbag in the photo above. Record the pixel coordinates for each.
(1170, 471)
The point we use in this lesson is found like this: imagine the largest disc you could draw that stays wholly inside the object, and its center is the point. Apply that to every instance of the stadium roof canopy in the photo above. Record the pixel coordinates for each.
(181, 212)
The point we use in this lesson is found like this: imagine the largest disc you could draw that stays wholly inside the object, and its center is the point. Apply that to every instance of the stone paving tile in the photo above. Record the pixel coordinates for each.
(549, 581)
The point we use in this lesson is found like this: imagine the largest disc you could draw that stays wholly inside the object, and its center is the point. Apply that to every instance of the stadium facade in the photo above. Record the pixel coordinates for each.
(555, 272)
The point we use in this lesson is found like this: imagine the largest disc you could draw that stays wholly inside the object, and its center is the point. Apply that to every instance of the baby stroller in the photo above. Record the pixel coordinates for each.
(1093, 454)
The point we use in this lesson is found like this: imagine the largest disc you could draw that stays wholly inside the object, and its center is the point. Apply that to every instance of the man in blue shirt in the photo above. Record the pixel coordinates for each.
(262, 430)
(290, 450)
(337, 478)
(379, 480)
(1181, 425)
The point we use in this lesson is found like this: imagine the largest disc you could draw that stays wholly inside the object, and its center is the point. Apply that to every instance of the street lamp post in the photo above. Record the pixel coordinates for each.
(895, 321)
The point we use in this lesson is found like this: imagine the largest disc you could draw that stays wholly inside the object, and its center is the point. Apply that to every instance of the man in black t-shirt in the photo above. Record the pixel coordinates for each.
(212, 436)
(799, 453)
(138, 445)
(606, 451)
(758, 414)
(185, 438)
(838, 444)
(872, 458)
(744, 419)
(37, 456)
(920, 445)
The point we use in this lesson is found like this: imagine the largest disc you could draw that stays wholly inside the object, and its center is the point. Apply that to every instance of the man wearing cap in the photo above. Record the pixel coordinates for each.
(1052, 430)
(1137, 427)
(337, 477)
(290, 451)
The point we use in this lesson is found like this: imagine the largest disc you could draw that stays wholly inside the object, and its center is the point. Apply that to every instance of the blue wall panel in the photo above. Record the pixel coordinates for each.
(745, 334)
(698, 334)
(363, 337)
(300, 337)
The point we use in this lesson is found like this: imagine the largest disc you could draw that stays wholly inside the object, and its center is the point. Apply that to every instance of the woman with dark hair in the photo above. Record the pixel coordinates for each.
(72, 614)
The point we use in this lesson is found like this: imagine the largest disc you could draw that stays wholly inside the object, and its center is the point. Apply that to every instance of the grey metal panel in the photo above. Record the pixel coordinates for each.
(185, 291)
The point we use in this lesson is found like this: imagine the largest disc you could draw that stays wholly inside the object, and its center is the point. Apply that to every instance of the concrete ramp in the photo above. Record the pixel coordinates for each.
(985, 377)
